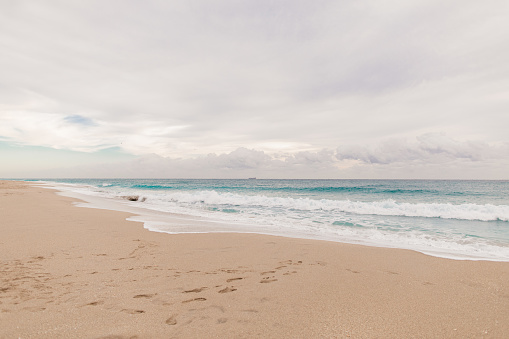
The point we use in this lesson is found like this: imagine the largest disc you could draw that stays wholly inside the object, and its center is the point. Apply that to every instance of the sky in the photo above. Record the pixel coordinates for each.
(270, 89)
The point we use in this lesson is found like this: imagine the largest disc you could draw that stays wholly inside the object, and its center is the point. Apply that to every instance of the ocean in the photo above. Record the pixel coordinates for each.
(445, 218)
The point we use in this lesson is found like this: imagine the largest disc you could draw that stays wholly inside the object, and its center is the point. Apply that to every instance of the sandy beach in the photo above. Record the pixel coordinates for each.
(70, 272)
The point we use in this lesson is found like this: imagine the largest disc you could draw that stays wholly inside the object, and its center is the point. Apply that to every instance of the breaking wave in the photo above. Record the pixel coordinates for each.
(389, 207)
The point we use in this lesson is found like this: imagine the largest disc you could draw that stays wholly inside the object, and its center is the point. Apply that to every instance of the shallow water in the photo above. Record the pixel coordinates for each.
(454, 219)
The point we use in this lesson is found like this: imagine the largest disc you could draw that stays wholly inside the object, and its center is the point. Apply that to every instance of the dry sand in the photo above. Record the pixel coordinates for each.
(70, 272)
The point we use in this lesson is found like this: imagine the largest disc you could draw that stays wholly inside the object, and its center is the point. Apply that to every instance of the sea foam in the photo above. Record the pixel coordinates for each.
(389, 207)
(467, 221)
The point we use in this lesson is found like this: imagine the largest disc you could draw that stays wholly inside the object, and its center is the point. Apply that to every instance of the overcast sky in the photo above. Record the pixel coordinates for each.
(275, 89)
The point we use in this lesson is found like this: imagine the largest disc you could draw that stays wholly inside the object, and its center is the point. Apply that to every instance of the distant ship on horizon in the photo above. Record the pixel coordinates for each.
(254, 178)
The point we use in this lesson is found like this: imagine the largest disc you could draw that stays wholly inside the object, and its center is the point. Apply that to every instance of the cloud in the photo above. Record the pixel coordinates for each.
(426, 148)
(432, 156)
(289, 79)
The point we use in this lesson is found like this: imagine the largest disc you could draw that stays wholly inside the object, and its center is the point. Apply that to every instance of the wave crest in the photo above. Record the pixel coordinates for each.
(387, 207)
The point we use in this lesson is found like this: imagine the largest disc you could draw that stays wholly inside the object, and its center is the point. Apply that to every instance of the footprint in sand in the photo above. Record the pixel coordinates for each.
(95, 303)
(267, 280)
(171, 320)
(196, 290)
(195, 299)
(227, 290)
(148, 296)
(131, 311)
(233, 279)
(289, 273)
(269, 272)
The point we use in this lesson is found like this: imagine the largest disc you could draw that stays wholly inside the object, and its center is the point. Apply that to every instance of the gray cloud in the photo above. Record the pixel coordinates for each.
(426, 148)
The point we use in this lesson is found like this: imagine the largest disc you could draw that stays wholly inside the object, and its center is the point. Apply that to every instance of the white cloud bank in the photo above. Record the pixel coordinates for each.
(431, 156)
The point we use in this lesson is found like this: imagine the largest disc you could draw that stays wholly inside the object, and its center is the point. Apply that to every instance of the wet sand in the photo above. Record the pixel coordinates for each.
(70, 272)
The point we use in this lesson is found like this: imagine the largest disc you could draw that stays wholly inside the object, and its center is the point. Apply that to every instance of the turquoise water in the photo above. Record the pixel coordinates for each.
(456, 219)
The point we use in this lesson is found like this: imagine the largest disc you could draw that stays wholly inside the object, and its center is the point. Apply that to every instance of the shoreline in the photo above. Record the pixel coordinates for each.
(158, 220)
(76, 272)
